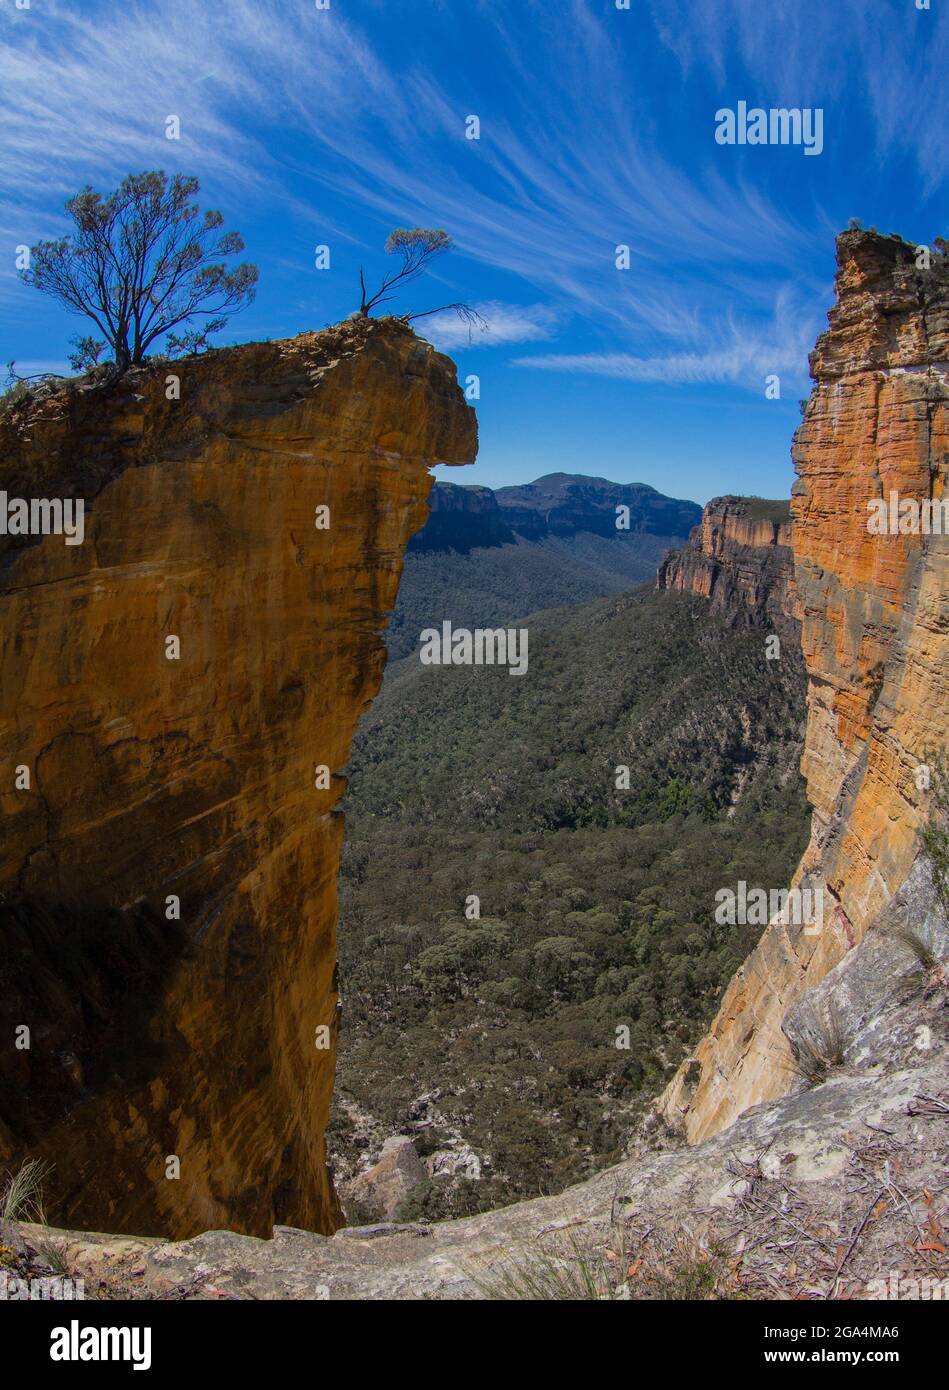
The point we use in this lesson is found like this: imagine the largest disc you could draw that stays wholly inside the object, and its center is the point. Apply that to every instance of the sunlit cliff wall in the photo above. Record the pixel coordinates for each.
(153, 779)
(875, 619)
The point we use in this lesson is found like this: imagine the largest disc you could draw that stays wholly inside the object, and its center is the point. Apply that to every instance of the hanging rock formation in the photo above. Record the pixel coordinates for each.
(875, 634)
(168, 846)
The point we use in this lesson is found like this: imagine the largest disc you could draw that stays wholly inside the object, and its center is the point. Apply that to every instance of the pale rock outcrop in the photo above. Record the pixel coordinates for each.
(388, 1182)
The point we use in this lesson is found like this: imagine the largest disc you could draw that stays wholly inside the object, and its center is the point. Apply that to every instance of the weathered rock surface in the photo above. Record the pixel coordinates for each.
(875, 634)
(389, 1181)
(195, 778)
(739, 557)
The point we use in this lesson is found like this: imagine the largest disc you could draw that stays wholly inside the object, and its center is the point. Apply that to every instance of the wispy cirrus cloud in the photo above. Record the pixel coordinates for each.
(91, 88)
(744, 354)
(744, 363)
(555, 182)
(895, 66)
(316, 113)
(502, 325)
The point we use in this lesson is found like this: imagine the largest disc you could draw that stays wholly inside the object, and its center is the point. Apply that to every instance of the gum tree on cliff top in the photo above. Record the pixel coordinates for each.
(416, 248)
(141, 262)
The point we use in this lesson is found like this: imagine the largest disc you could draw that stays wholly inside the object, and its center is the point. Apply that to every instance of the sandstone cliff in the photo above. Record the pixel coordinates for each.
(875, 619)
(131, 783)
(739, 557)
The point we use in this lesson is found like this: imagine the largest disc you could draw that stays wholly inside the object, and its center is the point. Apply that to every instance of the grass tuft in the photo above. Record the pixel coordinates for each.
(820, 1047)
(683, 1269)
(21, 1196)
(918, 941)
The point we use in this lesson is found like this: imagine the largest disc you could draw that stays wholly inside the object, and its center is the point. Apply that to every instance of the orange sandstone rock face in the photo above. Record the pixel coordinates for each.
(739, 557)
(875, 634)
(150, 782)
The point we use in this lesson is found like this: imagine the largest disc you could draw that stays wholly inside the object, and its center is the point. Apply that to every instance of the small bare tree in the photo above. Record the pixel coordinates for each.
(416, 247)
(142, 261)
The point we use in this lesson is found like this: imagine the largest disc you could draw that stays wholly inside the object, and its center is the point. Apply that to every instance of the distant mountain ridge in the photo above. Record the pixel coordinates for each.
(561, 504)
(490, 556)
(558, 504)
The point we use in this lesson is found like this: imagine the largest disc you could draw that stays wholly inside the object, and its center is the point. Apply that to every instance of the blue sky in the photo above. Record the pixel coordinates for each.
(597, 128)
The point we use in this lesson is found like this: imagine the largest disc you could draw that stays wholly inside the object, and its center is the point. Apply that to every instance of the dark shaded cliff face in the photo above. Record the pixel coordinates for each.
(740, 558)
(169, 843)
(558, 506)
(462, 519)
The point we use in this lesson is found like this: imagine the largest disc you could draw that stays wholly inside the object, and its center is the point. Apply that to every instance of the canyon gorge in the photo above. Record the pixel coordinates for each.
(196, 778)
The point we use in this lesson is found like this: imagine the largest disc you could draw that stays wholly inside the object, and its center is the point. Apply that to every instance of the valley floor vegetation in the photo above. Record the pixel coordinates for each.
(494, 1041)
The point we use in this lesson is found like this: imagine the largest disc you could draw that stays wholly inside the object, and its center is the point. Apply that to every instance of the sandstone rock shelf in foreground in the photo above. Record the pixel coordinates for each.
(764, 1210)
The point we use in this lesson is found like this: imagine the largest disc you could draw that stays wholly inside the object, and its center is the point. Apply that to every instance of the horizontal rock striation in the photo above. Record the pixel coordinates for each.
(875, 632)
(739, 557)
(169, 838)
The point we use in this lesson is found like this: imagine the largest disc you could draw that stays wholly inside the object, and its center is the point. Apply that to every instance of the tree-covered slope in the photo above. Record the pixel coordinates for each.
(493, 1039)
(487, 557)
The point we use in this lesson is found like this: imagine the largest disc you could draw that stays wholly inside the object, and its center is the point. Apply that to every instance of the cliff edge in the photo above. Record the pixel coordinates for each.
(739, 557)
(823, 1185)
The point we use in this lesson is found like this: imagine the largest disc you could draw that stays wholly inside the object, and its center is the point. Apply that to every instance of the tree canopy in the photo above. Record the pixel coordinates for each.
(143, 261)
(415, 247)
